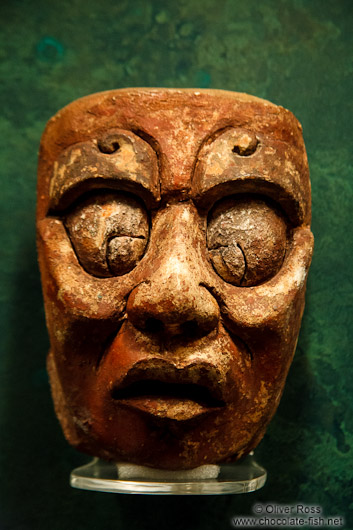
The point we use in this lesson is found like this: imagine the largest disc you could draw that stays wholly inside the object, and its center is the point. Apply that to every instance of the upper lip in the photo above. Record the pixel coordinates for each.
(200, 382)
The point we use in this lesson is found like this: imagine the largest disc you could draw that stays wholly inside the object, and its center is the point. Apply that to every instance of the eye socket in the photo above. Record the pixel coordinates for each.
(247, 239)
(109, 233)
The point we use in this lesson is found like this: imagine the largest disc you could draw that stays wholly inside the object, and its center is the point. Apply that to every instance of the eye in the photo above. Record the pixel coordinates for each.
(109, 233)
(247, 239)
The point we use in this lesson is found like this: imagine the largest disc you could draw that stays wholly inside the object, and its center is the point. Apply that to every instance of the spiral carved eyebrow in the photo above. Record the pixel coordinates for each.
(116, 160)
(238, 160)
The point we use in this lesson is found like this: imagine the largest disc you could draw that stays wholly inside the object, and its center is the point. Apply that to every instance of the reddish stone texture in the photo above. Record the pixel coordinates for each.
(174, 245)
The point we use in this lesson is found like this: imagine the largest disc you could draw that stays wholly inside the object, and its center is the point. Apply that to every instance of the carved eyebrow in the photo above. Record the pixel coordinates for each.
(275, 170)
(83, 167)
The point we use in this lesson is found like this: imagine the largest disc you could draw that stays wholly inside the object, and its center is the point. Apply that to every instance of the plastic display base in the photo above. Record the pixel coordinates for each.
(240, 477)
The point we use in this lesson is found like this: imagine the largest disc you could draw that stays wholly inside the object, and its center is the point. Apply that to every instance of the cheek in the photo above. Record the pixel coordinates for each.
(78, 337)
(71, 293)
(267, 317)
(82, 311)
(255, 381)
(269, 327)
(272, 343)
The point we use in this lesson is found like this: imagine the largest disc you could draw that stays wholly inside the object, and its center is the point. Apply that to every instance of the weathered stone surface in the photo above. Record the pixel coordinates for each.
(174, 244)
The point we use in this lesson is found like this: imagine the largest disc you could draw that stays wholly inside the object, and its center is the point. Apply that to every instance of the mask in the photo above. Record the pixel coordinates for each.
(174, 245)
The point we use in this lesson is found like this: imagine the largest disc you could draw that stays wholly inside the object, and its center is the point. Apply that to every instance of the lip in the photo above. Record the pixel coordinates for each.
(162, 390)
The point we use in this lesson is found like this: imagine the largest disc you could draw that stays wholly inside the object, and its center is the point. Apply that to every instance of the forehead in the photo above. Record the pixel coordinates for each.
(179, 125)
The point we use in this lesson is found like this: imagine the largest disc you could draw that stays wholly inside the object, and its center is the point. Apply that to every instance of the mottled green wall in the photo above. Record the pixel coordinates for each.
(296, 53)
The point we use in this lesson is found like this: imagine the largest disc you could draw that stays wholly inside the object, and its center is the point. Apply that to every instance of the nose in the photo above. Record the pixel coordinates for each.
(172, 300)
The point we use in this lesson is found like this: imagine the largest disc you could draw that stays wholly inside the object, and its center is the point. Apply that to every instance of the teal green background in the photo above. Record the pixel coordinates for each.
(295, 53)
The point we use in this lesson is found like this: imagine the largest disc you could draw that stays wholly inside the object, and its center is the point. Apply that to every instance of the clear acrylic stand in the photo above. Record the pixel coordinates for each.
(243, 476)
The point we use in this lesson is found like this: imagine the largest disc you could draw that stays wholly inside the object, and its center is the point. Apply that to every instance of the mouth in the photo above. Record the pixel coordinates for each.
(173, 394)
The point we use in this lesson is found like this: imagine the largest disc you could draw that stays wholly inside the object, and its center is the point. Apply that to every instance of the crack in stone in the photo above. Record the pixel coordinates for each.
(245, 263)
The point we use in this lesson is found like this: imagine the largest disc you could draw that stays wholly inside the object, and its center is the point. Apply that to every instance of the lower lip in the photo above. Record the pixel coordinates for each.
(169, 408)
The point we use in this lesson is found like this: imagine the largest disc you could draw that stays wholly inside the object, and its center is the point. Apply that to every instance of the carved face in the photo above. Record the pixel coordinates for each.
(174, 243)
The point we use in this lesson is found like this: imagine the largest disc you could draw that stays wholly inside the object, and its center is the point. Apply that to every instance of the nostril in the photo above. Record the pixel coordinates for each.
(190, 329)
(153, 325)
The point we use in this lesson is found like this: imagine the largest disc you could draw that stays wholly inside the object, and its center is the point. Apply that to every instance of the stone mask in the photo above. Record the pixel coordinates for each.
(174, 245)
